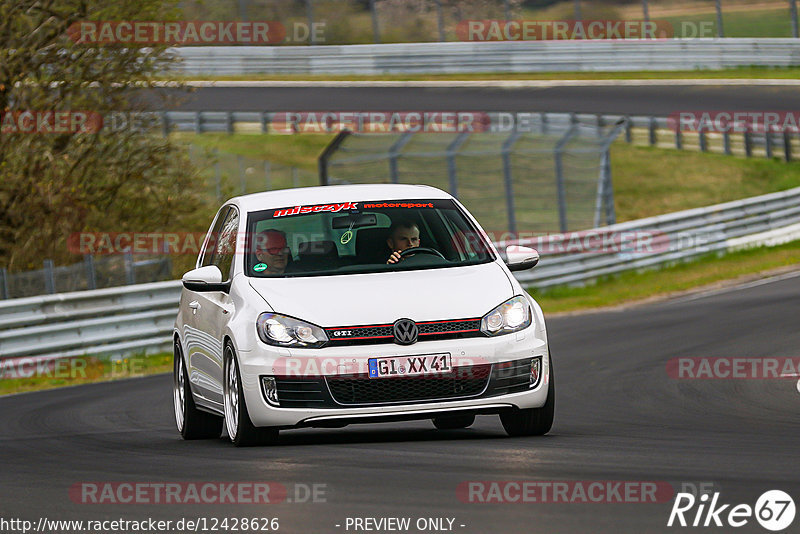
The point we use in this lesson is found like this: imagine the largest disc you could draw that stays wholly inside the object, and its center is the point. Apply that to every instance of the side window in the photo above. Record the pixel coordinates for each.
(226, 244)
(211, 244)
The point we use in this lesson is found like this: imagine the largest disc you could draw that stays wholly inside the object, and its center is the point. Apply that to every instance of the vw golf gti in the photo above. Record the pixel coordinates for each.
(329, 306)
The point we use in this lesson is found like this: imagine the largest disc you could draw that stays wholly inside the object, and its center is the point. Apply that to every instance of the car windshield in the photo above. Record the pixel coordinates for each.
(360, 237)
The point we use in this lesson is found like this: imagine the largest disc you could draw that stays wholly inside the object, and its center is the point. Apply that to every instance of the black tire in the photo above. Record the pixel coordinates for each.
(192, 422)
(532, 421)
(241, 430)
(453, 422)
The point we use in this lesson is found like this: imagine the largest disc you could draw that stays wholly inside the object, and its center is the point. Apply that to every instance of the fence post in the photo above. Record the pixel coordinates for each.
(130, 274)
(787, 146)
(560, 185)
(768, 142)
(645, 11)
(440, 20)
(793, 5)
(310, 15)
(544, 122)
(198, 122)
(678, 138)
(91, 275)
(701, 134)
(322, 161)
(508, 179)
(164, 124)
(4, 282)
(748, 143)
(376, 31)
(605, 195)
(229, 122)
(608, 189)
(451, 161)
(506, 10)
(652, 131)
(628, 129)
(726, 142)
(49, 277)
(265, 121)
(578, 10)
(720, 32)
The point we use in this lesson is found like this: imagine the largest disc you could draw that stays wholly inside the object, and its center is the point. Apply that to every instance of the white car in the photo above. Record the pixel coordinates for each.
(296, 316)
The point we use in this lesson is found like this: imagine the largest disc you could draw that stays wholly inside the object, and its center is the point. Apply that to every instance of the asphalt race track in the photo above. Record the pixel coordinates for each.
(660, 100)
(619, 417)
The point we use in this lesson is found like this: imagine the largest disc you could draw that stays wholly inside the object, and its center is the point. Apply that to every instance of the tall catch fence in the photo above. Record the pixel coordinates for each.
(551, 173)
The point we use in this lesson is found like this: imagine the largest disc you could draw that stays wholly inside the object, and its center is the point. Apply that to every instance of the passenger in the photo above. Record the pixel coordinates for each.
(271, 252)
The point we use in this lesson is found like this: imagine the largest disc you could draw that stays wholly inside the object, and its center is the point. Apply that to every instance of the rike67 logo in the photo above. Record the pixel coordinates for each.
(774, 510)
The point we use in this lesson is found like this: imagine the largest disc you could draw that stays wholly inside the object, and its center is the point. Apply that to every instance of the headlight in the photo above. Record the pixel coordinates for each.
(282, 331)
(512, 315)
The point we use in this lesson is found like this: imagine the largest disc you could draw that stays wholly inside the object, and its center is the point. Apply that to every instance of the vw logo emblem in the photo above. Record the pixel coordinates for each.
(405, 332)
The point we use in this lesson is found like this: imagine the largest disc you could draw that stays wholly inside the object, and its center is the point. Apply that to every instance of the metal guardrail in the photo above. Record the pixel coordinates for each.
(640, 129)
(476, 57)
(140, 318)
(664, 239)
(115, 320)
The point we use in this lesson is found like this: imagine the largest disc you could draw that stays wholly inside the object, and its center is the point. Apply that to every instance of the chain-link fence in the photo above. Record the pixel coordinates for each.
(387, 21)
(229, 175)
(553, 176)
(94, 272)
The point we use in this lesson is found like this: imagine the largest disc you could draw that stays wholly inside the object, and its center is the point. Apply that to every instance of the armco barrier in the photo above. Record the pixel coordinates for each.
(140, 318)
(116, 320)
(472, 57)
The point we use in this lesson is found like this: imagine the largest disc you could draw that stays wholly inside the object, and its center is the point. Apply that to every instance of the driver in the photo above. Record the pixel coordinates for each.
(403, 234)
(271, 252)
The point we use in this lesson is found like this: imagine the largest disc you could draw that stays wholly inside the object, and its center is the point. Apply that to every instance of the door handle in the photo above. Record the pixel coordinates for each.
(194, 305)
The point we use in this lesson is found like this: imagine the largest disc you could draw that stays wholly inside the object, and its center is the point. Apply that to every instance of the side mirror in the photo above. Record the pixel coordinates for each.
(521, 258)
(208, 278)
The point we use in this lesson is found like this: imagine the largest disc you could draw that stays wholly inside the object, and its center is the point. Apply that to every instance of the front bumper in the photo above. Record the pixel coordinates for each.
(339, 364)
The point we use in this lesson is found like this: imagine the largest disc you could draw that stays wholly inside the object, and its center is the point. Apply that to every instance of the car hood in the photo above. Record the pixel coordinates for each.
(380, 298)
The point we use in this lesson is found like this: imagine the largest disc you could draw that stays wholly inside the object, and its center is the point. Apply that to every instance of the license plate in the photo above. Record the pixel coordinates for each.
(396, 366)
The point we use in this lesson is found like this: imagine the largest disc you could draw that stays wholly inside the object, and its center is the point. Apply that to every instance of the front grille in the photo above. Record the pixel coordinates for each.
(428, 331)
(463, 382)
(484, 380)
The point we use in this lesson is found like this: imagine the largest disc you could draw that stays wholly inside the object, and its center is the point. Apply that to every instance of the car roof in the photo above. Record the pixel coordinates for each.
(309, 196)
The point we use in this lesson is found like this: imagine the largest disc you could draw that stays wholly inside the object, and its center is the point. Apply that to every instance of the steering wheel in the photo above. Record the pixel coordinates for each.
(421, 250)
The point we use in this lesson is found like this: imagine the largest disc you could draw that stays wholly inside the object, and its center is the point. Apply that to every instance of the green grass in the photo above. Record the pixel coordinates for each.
(731, 73)
(651, 181)
(753, 23)
(291, 150)
(633, 286)
(80, 370)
